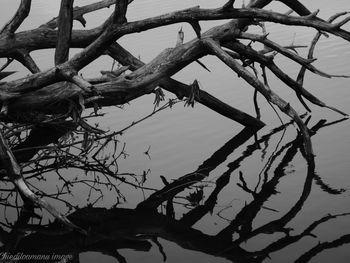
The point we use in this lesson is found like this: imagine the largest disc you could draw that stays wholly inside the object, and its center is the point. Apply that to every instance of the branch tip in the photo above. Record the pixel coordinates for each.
(82, 20)
(228, 5)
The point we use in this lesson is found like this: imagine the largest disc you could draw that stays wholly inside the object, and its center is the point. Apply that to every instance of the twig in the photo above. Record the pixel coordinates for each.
(15, 174)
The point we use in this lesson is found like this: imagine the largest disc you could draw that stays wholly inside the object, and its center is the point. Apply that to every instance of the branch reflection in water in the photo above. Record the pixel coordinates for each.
(109, 230)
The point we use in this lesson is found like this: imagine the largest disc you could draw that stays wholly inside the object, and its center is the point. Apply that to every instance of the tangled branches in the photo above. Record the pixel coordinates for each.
(59, 95)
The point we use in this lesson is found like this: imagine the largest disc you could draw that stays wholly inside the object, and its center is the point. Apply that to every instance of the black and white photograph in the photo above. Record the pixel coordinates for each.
(150, 131)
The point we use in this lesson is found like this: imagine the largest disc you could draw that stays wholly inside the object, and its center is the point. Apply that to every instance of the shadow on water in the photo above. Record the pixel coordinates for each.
(110, 230)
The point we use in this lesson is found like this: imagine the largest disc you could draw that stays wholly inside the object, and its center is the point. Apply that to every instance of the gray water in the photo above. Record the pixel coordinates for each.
(182, 138)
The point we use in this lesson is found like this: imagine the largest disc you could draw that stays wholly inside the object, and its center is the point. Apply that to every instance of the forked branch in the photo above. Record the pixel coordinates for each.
(259, 86)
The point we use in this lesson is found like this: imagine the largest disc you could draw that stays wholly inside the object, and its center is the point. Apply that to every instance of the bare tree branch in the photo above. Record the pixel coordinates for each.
(15, 174)
(181, 90)
(79, 12)
(21, 14)
(65, 24)
(119, 16)
(268, 94)
(25, 58)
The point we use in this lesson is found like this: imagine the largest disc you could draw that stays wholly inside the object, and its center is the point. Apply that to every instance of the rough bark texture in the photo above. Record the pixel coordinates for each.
(64, 32)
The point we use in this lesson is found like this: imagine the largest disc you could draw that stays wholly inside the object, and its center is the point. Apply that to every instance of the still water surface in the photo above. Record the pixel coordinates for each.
(182, 138)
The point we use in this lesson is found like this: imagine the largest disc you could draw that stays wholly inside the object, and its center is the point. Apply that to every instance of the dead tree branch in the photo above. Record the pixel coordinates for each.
(65, 24)
(14, 172)
(21, 14)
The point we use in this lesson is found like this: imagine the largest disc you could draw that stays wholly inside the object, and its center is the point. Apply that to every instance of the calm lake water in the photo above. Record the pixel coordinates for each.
(182, 138)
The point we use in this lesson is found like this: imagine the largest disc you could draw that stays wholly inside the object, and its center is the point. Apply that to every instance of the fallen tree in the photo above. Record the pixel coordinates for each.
(60, 94)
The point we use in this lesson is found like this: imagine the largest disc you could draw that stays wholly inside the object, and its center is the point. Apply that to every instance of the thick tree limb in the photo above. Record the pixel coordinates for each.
(296, 6)
(65, 24)
(72, 76)
(21, 14)
(119, 16)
